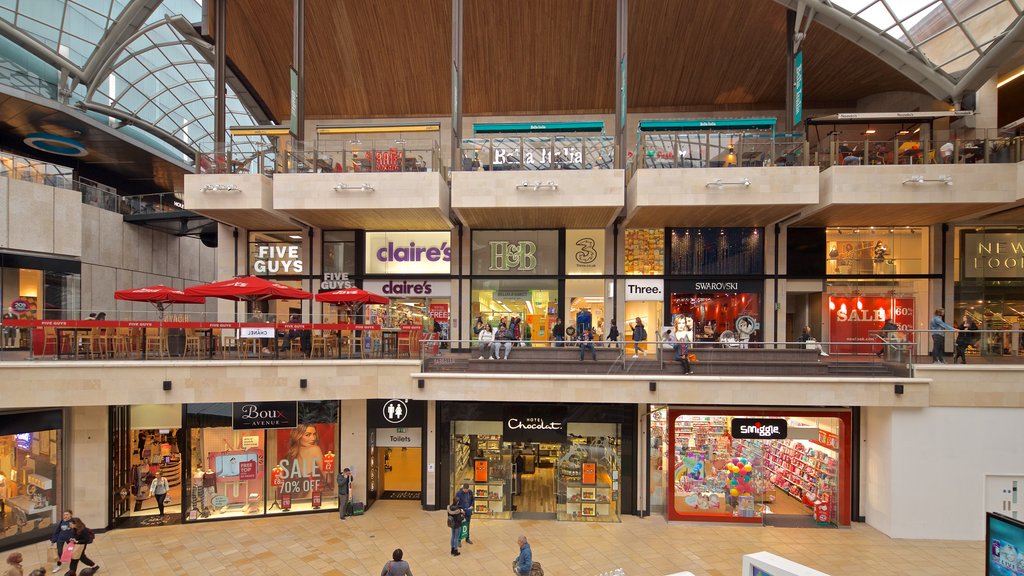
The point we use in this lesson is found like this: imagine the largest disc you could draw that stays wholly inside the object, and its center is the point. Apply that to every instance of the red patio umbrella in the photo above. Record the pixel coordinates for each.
(351, 296)
(159, 295)
(249, 289)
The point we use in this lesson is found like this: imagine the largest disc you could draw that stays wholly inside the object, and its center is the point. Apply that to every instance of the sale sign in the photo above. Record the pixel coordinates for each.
(858, 320)
(247, 470)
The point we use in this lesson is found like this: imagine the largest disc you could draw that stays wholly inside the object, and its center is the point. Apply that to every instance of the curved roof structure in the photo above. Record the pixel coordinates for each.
(138, 61)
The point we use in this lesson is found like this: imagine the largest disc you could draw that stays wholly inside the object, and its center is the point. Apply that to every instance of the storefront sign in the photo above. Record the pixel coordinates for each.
(570, 155)
(993, 254)
(512, 253)
(247, 470)
(584, 251)
(858, 319)
(20, 306)
(399, 437)
(410, 288)
(256, 332)
(644, 290)
(276, 259)
(534, 424)
(259, 415)
(519, 256)
(408, 253)
(759, 428)
(714, 286)
(336, 281)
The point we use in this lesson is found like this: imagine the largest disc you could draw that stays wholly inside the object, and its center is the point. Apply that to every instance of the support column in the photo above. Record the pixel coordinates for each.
(621, 46)
(220, 80)
(456, 149)
(298, 80)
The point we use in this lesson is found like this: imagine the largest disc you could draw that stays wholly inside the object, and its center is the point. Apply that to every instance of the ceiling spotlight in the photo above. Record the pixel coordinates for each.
(870, 131)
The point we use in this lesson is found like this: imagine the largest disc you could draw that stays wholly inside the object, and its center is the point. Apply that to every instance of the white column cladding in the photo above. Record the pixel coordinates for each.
(430, 444)
(87, 464)
(643, 450)
(353, 445)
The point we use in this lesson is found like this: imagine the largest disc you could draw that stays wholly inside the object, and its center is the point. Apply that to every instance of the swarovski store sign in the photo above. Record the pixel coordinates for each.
(408, 253)
(539, 423)
(513, 252)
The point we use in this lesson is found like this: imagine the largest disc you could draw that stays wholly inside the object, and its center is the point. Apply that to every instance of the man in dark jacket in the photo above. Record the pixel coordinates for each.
(558, 332)
(465, 497)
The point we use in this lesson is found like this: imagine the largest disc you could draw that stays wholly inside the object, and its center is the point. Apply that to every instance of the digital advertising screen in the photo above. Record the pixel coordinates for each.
(1004, 546)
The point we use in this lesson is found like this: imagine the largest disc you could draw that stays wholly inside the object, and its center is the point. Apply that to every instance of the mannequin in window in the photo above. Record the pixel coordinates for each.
(304, 456)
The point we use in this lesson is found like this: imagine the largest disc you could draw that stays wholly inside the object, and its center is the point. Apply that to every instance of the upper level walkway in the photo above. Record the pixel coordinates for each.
(321, 545)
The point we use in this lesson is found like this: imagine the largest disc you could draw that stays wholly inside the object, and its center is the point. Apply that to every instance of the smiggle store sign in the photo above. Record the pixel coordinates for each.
(853, 318)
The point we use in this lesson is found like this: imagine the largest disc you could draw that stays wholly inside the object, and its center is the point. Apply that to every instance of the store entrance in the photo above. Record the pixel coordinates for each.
(533, 494)
(151, 453)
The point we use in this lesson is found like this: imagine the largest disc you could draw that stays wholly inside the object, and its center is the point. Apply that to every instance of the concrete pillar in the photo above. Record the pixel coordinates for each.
(353, 445)
(87, 464)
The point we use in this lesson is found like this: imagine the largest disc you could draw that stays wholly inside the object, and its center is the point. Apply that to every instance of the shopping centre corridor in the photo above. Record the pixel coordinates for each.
(320, 544)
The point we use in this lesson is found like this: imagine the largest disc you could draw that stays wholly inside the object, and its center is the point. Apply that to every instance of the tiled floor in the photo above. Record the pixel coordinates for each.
(322, 545)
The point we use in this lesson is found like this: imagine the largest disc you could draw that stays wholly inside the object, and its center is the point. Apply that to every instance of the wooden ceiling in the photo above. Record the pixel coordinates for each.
(531, 57)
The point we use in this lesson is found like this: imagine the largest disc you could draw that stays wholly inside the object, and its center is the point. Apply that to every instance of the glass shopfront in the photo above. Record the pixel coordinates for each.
(717, 252)
(254, 458)
(989, 288)
(645, 300)
(146, 442)
(33, 288)
(645, 252)
(720, 310)
(535, 302)
(751, 466)
(31, 475)
(540, 461)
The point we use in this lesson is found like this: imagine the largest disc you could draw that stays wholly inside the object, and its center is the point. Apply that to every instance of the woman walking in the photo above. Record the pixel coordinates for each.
(82, 537)
(397, 566)
(639, 335)
(61, 534)
(159, 490)
(455, 518)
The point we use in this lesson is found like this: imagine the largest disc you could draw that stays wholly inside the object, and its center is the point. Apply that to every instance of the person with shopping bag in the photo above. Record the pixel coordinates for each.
(456, 516)
(61, 534)
(74, 552)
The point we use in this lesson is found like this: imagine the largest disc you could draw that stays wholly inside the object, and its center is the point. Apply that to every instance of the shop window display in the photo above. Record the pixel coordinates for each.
(714, 476)
(645, 252)
(717, 251)
(576, 480)
(728, 317)
(30, 485)
(535, 302)
(876, 250)
(241, 472)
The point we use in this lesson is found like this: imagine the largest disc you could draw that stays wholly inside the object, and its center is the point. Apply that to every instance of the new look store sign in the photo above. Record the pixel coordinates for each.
(408, 253)
(261, 415)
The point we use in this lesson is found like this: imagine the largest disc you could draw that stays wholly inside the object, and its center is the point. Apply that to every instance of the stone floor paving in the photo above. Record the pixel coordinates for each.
(320, 544)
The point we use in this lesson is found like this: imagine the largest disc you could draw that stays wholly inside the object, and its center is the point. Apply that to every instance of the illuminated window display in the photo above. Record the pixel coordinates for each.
(717, 251)
(876, 250)
(261, 458)
(720, 311)
(31, 476)
(744, 467)
(535, 302)
(645, 252)
(989, 288)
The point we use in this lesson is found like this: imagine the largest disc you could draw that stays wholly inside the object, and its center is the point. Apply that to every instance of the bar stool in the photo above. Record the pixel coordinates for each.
(156, 344)
(193, 344)
(319, 348)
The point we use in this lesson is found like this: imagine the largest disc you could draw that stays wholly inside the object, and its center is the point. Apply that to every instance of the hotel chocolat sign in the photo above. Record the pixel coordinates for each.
(759, 428)
(534, 424)
(260, 415)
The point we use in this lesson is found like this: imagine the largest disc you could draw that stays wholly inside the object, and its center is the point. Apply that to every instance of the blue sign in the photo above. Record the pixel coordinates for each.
(798, 87)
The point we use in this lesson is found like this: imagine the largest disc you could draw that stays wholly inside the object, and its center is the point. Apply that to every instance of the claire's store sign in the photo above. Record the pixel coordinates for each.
(759, 428)
(408, 253)
(410, 288)
(260, 415)
(276, 259)
(534, 424)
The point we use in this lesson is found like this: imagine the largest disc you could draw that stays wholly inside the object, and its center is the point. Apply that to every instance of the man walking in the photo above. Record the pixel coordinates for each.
(344, 491)
(466, 499)
(523, 563)
(938, 326)
(558, 332)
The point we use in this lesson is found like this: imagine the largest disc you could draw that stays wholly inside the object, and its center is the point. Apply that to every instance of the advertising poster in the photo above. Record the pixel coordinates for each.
(589, 473)
(1005, 554)
(854, 320)
(480, 470)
